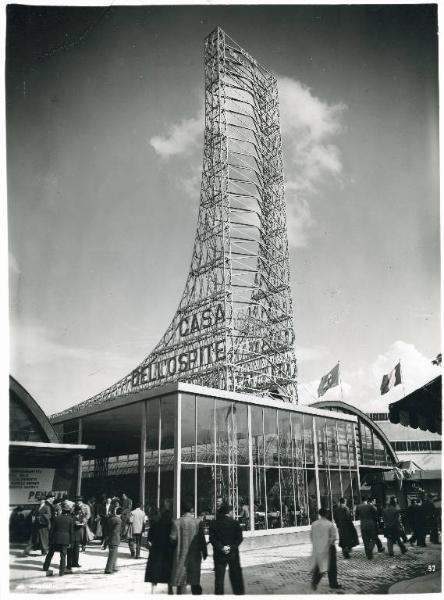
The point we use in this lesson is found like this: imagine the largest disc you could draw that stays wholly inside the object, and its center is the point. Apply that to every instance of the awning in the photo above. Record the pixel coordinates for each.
(43, 450)
(421, 408)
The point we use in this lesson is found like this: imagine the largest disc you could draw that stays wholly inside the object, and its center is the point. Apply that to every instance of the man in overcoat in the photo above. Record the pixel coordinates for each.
(348, 536)
(41, 526)
(60, 539)
(114, 525)
(323, 536)
(226, 537)
(190, 548)
(367, 514)
(392, 526)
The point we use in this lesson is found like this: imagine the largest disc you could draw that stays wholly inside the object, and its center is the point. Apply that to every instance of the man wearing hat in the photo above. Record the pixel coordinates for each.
(41, 525)
(79, 519)
(60, 539)
(226, 536)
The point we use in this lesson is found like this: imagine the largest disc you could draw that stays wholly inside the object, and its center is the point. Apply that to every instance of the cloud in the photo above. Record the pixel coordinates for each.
(309, 126)
(180, 137)
(361, 387)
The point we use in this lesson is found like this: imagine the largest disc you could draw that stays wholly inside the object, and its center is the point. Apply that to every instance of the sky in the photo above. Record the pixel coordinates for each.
(104, 111)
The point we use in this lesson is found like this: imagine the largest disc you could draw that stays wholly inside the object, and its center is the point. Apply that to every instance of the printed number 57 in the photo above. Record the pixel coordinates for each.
(431, 568)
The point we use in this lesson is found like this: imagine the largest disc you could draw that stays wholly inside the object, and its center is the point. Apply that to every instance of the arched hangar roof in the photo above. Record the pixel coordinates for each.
(352, 410)
(27, 421)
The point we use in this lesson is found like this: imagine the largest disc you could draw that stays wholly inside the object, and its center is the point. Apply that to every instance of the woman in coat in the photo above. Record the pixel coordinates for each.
(190, 547)
(158, 566)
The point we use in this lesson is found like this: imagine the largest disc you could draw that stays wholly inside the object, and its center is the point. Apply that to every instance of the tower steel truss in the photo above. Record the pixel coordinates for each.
(233, 328)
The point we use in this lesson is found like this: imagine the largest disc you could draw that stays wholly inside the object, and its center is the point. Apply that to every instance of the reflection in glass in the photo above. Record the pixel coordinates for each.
(321, 441)
(166, 488)
(259, 498)
(188, 429)
(356, 490)
(308, 440)
(346, 488)
(223, 488)
(151, 489)
(335, 485)
(168, 407)
(324, 489)
(287, 496)
(298, 445)
(273, 498)
(351, 444)
(240, 426)
(224, 431)
(332, 443)
(285, 457)
(343, 443)
(257, 435)
(187, 481)
(301, 496)
(205, 429)
(270, 436)
(312, 495)
(242, 510)
(205, 491)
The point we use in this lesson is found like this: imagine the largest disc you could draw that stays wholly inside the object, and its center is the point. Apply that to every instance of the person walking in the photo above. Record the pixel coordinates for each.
(377, 516)
(348, 536)
(391, 519)
(226, 537)
(431, 519)
(137, 519)
(416, 518)
(367, 515)
(190, 548)
(41, 525)
(61, 535)
(127, 505)
(114, 525)
(159, 563)
(323, 535)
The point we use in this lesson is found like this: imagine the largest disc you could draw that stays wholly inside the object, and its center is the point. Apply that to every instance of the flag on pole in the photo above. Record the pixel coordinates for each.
(392, 379)
(328, 381)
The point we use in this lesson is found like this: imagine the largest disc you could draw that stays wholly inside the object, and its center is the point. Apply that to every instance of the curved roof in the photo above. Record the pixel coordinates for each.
(348, 408)
(30, 407)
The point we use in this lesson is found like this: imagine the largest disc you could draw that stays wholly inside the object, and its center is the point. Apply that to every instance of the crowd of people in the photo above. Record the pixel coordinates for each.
(177, 547)
(420, 518)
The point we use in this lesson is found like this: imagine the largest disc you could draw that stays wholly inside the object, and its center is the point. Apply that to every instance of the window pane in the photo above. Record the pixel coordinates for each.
(224, 431)
(166, 487)
(335, 484)
(205, 491)
(257, 435)
(342, 441)
(240, 424)
(223, 484)
(168, 411)
(205, 429)
(243, 497)
(350, 427)
(324, 489)
(312, 496)
(188, 430)
(356, 490)
(308, 441)
(187, 473)
(321, 440)
(270, 436)
(259, 498)
(151, 489)
(297, 439)
(273, 498)
(287, 492)
(285, 457)
(332, 443)
(302, 506)
(346, 488)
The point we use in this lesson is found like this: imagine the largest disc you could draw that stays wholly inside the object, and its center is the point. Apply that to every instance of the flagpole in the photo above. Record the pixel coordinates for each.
(340, 381)
(402, 378)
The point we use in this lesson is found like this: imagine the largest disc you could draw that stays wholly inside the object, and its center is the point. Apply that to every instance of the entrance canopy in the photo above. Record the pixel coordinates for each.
(422, 408)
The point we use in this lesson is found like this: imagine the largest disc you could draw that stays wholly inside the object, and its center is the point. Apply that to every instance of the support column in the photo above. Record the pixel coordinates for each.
(142, 455)
(177, 455)
(250, 461)
(79, 459)
(315, 445)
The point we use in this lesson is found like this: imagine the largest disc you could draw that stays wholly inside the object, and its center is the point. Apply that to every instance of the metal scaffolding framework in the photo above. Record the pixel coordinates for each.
(233, 329)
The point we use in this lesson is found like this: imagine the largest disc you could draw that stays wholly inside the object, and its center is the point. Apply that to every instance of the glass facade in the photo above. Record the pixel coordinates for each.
(276, 467)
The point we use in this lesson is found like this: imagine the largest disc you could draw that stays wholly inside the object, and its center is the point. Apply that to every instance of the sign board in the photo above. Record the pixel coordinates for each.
(28, 486)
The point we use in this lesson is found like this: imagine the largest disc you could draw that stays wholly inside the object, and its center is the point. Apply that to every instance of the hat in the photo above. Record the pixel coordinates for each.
(49, 495)
(225, 509)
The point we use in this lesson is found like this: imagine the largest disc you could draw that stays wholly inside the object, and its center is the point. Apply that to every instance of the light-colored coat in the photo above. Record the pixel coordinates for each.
(190, 547)
(137, 520)
(323, 535)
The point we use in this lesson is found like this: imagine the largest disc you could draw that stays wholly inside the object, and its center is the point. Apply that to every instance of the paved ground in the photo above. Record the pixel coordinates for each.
(283, 570)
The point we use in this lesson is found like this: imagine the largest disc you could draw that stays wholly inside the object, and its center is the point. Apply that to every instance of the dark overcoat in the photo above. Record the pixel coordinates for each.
(159, 563)
(348, 536)
(187, 533)
(62, 530)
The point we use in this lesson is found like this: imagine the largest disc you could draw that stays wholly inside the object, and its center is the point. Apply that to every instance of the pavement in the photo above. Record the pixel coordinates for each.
(281, 570)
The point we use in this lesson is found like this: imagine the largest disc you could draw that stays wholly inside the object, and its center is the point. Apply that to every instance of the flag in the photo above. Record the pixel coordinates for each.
(390, 380)
(328, 381)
